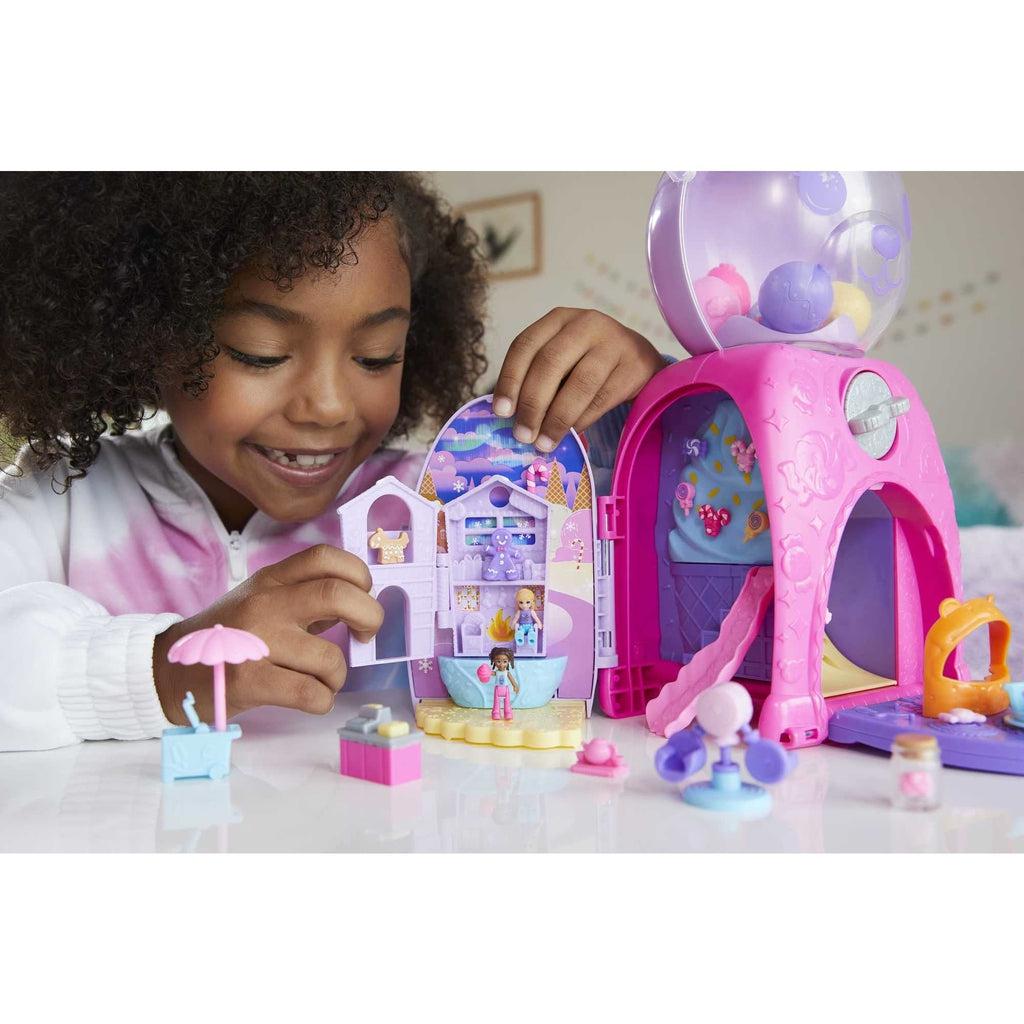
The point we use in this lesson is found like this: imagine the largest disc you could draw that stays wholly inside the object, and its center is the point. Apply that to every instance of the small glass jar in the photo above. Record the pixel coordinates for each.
(915, 772)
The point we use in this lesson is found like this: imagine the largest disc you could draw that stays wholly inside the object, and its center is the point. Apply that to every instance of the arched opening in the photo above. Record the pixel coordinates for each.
(392, 515)
(860, 636)
(393, 638)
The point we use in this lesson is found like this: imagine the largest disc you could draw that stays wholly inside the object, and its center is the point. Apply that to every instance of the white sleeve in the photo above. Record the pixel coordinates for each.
(68, 670)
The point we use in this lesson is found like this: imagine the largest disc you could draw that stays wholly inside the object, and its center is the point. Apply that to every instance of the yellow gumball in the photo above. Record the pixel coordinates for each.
(849, 300)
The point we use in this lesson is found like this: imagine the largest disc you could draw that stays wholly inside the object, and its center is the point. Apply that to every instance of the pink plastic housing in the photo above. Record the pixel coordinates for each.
(390, 766)
(814, 472)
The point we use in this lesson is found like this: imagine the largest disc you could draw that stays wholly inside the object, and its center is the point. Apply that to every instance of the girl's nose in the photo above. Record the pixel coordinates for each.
(321, 397)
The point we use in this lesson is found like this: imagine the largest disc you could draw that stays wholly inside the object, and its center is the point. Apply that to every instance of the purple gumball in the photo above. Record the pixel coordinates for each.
(796, 298)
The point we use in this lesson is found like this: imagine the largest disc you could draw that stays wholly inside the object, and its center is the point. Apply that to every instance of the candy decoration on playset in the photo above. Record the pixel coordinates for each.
(714, 519)
(744, 454)
(505, 563)
(537, 471)
(723, 715)
(962, 716)
(696, 447)
(756, 524)
(956, 621)
(599, 757)
(392, 549)
(527, 621)
(685, 493)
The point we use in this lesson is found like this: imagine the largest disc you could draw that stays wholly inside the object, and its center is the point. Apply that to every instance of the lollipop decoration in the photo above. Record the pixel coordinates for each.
(723, 715)
(757, 523)
(685, 493)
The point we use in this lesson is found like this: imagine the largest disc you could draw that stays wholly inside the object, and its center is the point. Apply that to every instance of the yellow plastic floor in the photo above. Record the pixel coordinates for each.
(839, 675)
(557, 724)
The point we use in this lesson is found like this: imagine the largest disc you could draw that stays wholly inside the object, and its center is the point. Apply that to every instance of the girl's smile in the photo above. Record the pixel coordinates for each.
(306, 385)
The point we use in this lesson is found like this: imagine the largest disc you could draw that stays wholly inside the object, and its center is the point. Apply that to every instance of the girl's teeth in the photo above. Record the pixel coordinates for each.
(306, 461)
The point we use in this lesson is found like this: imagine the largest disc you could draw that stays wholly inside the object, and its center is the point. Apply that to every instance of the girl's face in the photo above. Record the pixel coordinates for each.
(525, 603)
(501, 662)
(305, 387)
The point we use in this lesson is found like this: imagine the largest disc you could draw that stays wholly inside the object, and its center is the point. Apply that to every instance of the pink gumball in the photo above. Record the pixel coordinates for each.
(483, 673)
(722, 294)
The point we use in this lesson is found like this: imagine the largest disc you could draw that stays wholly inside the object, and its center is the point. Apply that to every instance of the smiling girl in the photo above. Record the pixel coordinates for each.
(290, 326)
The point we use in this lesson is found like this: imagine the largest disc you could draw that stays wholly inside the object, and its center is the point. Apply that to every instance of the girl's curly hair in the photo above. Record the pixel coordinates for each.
(111, 282)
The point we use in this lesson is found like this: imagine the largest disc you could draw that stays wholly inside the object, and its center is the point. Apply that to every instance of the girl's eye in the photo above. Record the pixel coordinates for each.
(260, 362)
(376, 365)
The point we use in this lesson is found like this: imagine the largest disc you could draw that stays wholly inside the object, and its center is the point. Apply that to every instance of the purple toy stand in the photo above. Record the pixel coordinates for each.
(989, 747)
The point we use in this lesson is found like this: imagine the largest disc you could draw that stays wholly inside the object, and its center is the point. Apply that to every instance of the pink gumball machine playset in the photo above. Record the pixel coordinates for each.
(802, 522)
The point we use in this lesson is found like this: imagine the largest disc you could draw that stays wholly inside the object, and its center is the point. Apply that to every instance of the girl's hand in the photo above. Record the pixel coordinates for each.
(568, 370)
(286, 605)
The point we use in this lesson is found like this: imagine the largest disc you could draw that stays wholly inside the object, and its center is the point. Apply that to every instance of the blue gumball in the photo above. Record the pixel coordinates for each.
(796, 298)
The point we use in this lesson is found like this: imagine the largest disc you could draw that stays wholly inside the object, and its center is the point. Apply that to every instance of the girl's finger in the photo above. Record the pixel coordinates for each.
(585, 390)
(321, 561)
(299, 651)
(330, 598)
(551, 366)
(520, 355)
(285, 688)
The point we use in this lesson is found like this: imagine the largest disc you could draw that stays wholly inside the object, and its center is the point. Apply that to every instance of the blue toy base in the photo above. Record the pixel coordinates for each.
(197, 753)
(1012, 720)
(538, 680)
(748, 800)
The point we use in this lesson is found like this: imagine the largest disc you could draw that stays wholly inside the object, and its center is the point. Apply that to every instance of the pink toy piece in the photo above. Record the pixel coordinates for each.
(674, 708)
(215, 647)
(483, 673)
(722, 294)
(722, 711)
(389, 757)
(600, 758)
(745, 456)
(917, 784)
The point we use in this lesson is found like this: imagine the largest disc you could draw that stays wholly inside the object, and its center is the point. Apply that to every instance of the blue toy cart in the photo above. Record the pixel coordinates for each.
(196, 751)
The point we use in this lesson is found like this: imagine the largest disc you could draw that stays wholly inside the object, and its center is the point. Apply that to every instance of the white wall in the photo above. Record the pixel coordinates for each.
(958, 337)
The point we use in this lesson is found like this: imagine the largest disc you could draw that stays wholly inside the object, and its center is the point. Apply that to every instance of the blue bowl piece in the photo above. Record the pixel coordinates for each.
(1015, 691)
(538, 678)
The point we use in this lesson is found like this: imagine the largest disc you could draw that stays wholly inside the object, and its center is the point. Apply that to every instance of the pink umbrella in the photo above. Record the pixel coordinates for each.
(214, 647)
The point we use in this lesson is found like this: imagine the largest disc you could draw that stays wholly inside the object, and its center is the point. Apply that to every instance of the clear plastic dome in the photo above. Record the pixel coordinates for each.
(815, 258)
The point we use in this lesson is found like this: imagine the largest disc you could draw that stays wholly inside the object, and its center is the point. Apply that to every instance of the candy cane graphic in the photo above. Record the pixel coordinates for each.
(537, 470)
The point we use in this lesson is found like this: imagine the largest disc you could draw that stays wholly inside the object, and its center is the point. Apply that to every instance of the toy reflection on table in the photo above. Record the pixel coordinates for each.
(723, 715)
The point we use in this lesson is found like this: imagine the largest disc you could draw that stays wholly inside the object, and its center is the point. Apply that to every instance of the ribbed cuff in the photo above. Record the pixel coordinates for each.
(107, 690)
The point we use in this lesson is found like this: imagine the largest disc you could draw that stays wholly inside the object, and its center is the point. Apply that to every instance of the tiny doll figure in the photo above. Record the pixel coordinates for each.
(392, 549)
(502, 660)
(528, 622)
(505, 562)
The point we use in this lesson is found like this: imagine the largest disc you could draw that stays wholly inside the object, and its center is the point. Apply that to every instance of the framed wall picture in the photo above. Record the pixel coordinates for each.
(509, 229)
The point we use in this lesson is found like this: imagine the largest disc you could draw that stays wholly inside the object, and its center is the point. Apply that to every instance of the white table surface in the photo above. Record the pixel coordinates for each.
(285, 794)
